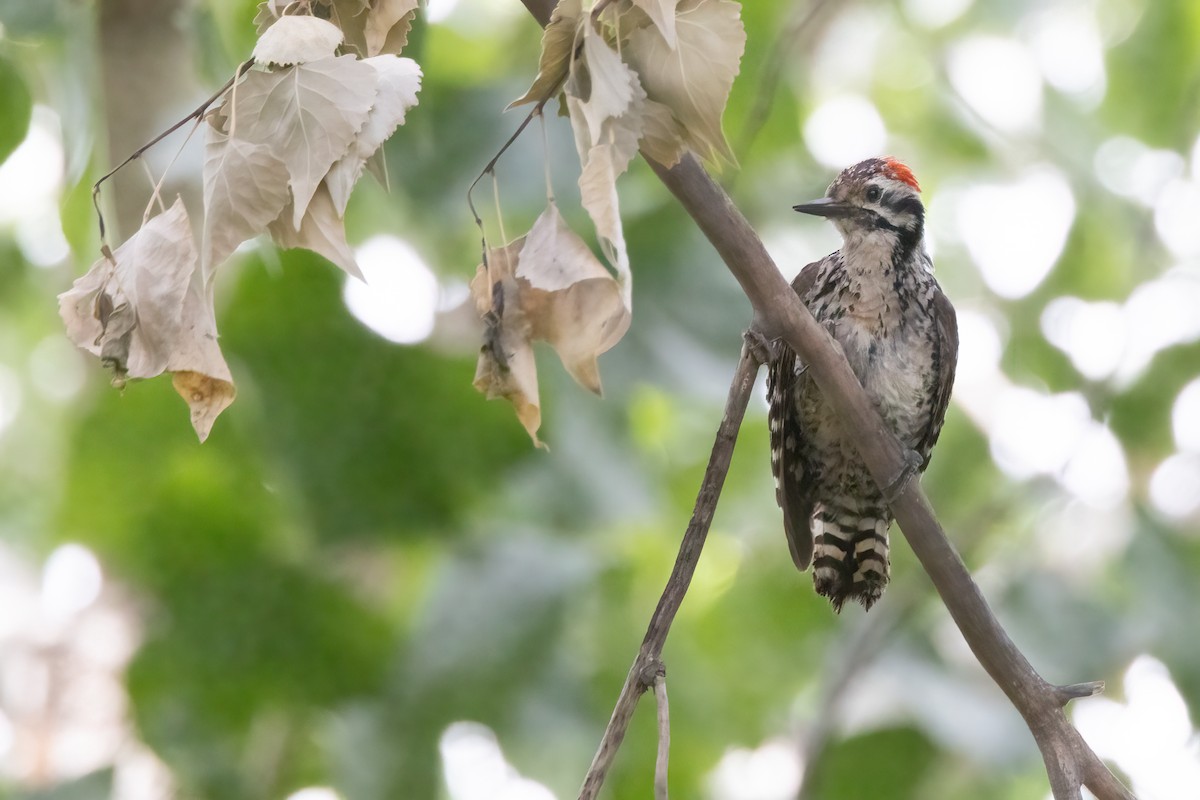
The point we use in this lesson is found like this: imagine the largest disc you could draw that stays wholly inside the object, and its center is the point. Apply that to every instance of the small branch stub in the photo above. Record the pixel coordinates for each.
(664, 736)
(1074, 691)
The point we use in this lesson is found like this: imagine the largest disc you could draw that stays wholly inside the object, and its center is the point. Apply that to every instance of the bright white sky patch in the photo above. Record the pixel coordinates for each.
(400, 297)
(56, 368)
(7, 735)
(315, 793)
(1149, 736)
(847, 52)
(844, 130)
(999, 80)
(1066, 43)
(1060, 546)
(1035, 433)
(980, 348)
(1096, 472)
(32, 175)
(475, 767)
(1093, 335)
(30, 182)
(1175, 216)
(1129, 168)
(71, 581)
(1185, 417)
(935, 13)
(10, 397)
(474, 17)
(770, 772)
(1160, 313)
(439, 10)
(1175, 486)
(1016, 231)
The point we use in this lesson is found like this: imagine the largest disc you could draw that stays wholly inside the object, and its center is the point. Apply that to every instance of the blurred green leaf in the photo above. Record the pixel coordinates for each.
(16, 105)
(888, 763)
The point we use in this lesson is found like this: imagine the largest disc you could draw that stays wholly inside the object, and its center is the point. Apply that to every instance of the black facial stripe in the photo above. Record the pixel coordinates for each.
(904, 205)
(882, 222)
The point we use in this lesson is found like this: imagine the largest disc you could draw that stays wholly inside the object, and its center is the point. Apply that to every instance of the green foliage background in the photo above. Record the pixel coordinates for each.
(367, 551)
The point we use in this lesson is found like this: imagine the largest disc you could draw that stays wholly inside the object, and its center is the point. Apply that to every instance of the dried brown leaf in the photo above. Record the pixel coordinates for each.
(384, 19)
(606, 117)
(399, 82)
(200, 374)
(296, 40)
(269, 13)
(694, 78)
(308, 114)
(662, 139)
(245, 187)
(145, 312)
(662, 12)
(558, 48)
(321, 230)
(569, 299)
(613, 89)
(506, 366)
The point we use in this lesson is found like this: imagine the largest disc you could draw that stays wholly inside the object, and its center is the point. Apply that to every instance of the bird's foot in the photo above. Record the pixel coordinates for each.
(911, 469)
(764, 349)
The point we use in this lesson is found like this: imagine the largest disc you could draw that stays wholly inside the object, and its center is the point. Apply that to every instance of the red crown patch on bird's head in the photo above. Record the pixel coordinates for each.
(899, 171)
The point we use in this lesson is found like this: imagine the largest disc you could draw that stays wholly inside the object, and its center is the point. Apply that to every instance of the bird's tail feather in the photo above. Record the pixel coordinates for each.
(850, 553)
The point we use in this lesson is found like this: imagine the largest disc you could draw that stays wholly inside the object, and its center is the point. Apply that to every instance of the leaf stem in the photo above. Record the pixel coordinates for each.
(196, 114)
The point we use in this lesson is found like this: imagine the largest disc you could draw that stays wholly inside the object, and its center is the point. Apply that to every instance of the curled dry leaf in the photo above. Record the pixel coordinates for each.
(662, 12)
(546, 286)
(270, 12)
(607, 119)
(297, 39)
(373, 27)
(286, 148)
(558, 49)
(571, 302)
(694, 78)
(199, 371)
(662, 140)
(245, 188)
(321, 230)
(144, 312)
(307, 114)
(386, 26)
(614, 88)
(506, 366)
(398, 84)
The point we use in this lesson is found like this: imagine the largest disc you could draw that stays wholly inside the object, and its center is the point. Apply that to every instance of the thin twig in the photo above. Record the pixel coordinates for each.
(491, 165)
(664, 736)
(1069, 762)
(196, 114)
(647, 664)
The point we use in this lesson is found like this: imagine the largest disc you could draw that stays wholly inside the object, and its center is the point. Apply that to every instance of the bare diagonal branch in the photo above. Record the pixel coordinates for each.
(1070, 763)
(647, 666)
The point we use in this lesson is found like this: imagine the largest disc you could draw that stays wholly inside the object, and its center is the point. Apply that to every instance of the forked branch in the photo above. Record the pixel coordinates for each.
(647, 670)
(1070, 763)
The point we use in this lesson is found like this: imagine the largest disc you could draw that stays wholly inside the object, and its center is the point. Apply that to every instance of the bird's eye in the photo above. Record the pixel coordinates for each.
(873, 194)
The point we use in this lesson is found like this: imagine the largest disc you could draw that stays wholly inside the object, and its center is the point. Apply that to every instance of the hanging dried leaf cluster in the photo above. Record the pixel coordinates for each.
(648, 75)
(283, 152)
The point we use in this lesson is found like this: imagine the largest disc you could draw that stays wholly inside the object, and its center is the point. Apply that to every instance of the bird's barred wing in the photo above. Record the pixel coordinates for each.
(792, 491)
(946, 328)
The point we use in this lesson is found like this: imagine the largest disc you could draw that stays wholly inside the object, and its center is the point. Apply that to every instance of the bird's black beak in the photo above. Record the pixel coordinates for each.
(825, 207)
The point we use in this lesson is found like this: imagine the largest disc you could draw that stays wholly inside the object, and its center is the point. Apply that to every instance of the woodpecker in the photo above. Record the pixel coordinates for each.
(879, 300)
